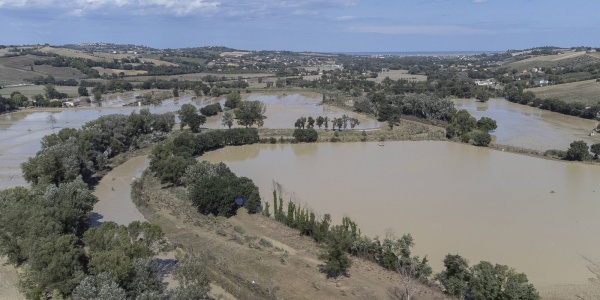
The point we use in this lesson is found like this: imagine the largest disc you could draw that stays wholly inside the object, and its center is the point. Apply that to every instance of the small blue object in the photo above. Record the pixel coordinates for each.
(239, 201)
(491, 131)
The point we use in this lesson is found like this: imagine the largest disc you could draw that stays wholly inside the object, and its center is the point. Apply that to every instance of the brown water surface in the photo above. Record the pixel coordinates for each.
(536, 215)
(21, 132)
(529, 127)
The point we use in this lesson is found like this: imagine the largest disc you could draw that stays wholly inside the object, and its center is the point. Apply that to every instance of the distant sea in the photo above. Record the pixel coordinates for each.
(422, 53)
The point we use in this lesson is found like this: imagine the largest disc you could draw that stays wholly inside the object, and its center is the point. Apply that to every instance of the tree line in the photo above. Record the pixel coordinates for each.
(482, 281)
(578, 151)
(73, 153)
(516, 94)
(47, 230)
(169, 160)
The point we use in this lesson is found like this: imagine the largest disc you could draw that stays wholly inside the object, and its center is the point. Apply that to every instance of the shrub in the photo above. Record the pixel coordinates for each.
(211, 109)
(308, 135)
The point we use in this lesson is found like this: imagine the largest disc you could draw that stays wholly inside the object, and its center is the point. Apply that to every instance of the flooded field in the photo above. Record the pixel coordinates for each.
(529, 127)
(536, 215)
(21, 132)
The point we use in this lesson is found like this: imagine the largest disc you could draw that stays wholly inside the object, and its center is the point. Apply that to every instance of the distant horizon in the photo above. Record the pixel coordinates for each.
(377, 52)
(330, 26)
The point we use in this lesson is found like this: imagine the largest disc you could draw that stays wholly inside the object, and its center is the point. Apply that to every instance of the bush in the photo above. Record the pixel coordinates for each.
(308, 135)
(211, 110)
(578, 150)
(555, 153)
(482, 139)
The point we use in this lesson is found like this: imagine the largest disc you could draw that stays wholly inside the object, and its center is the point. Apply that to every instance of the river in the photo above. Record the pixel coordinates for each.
(539, 216)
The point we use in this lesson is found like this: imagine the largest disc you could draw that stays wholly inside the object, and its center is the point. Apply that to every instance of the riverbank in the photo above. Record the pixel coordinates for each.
(255, 257)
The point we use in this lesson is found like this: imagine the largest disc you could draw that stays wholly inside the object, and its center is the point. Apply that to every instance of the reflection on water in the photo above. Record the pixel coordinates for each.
(528, 127)
(536, 215)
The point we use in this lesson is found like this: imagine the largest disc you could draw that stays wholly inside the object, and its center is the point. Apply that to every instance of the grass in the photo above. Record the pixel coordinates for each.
(117, 71)
(567, 60)
(14, 70)
(32, 90)
(587, 92)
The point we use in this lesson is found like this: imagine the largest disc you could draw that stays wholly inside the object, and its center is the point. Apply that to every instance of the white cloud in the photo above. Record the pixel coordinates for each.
(183, 7)
(420, 30)
(345, 18)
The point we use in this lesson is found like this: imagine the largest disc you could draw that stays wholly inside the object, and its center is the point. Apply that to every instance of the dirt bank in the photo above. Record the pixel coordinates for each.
(254, 257)
(9, 282)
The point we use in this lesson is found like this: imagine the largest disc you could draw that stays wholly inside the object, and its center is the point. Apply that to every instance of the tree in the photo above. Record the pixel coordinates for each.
(249, 113)
(320, 121)
(482, 95)
(489, 282)
(481, 138)
(300, 123)
(211, 109)
(336, 257)
(578, 150)
(97, 94)
(51, 92)
(98, 287)
(311, 122)
(52, 120)
(354, 122)
(175, 92)
(308, 135)
(193, 282)
(486, 124)
(233, 99)
(227, 119)
(326, 122)
(82, 91)
(189, 116)
(456, 276)
(595, 148)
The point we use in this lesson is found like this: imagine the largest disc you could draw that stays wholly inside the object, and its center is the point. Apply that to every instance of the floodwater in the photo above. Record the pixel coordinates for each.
(22, 131)
(529, 127)
(114, 194)
(538, 216)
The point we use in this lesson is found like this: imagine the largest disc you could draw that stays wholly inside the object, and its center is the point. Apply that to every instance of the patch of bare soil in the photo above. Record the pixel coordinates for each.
(255, 257)
(9, 282)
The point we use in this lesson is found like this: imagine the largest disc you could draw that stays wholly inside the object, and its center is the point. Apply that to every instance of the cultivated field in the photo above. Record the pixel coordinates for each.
(587, 92)
(14, 70)
(117, 71)
(100, 56)
(398, 74)
(569, 59)
(32, 90)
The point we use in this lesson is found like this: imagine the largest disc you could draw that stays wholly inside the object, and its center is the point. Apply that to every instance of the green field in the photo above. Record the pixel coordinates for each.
(587, 92)
(566, 60)
(14, 70)
(32, 90)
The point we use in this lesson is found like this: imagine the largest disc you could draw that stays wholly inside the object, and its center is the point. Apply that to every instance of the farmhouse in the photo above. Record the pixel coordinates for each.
(71, 103)
(487, 82)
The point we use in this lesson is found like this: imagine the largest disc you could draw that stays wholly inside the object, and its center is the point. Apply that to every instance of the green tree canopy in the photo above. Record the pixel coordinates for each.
(249, 113)
(578, 150)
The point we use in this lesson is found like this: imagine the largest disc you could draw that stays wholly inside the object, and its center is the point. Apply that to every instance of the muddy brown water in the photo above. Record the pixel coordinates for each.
(529, 127)
(21, 132)
(536, 215)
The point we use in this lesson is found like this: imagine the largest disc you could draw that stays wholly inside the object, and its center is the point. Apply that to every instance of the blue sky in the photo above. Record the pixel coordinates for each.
(299, 25)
